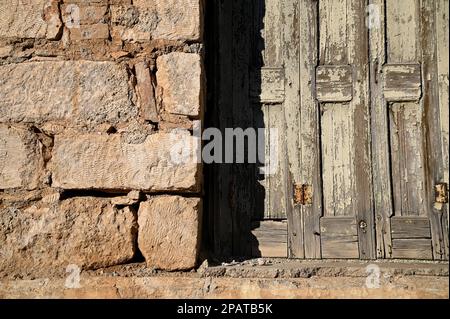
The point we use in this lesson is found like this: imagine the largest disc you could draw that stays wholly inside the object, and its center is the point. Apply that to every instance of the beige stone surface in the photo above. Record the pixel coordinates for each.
(112, 162)
(84, 13)
(90, 32)
(29, 19)
(179, 78)
(176, 287)
(84, 92)
(169, 232)
(45, 238)
(20, 158)
(145, 92)
(160, 19)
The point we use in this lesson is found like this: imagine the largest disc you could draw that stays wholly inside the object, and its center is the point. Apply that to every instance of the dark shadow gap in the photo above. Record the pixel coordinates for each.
(234, 197)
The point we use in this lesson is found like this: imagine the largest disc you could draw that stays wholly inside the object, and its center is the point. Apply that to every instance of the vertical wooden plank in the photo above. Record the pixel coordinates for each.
(435, 171)
(333, 30)
(345, 135)
(442, 55)
(310, 173)
(338, 160)
(276, 193)
(336, 119)
(358, 57)
(402, 29)
(407, 159)
(406, 125)
(291, 45)
(276, 183)
(272, 33)
(381, 171)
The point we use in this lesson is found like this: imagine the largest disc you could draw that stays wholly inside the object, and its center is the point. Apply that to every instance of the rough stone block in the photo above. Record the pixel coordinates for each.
(20, 158)
(83, 14)
(179, 78)
(44, 239)
(90, 32)
(110, 162)
(84, 92)
(169, 232)
(159, 19)
(146, 92)
(29, 19)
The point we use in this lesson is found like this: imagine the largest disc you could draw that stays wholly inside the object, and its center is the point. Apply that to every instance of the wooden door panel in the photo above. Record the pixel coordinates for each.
(362, 116)
(270, 238)
(405, 113)
(405, 118)
(339, 237)
(342, 90)
(270, 81)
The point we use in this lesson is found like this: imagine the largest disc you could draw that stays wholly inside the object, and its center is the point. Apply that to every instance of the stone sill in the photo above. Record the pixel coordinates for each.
(260, 278)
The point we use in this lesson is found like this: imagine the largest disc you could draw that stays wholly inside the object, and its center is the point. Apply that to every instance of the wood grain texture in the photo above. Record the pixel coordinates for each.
(346, 167)
(410, 227)
(402, 82)
(402, 25)
(334, 83)
(310, 173)
(268, 86)
(430, 102)
(442, 55)
(381, 170)
(270, 239)
(412, 248)
(363, 192)
(407, 157)
(362, 116)
(339, 237)
(290, 13)
(337, 160)
(272, 83)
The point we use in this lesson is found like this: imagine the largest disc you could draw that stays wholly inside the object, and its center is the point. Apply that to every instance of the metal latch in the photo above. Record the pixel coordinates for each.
(441, 193)
(303, 194)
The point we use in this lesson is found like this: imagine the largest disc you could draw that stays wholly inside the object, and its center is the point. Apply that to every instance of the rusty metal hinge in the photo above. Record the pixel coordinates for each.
(303, 194)
(441, 193)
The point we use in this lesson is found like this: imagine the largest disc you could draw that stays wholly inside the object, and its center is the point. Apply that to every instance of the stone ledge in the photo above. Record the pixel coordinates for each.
(223, 288)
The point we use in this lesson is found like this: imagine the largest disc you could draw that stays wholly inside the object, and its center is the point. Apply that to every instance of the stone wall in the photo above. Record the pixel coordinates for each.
(96, 98)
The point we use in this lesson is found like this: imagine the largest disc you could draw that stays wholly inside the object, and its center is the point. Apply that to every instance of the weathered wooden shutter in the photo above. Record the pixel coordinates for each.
(409, 87)
(359, 93)
(270, 97)
(335, 130)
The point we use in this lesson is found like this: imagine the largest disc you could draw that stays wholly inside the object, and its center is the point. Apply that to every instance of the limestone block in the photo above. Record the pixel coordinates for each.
(20, 158)
(162, 162)
(85, 231)
(179, 77)
(84, 92)
(169, 232)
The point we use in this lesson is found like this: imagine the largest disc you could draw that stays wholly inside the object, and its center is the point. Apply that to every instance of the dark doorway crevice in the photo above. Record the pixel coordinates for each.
(234, 197)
